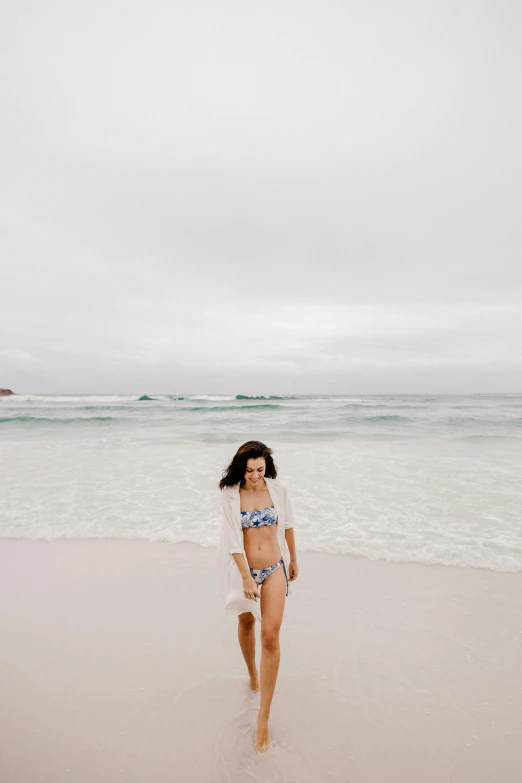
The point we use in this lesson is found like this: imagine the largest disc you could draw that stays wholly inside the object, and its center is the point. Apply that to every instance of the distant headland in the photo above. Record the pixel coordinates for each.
(5, 392)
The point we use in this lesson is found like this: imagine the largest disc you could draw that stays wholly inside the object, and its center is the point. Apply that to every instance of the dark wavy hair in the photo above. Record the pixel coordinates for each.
(252, 449)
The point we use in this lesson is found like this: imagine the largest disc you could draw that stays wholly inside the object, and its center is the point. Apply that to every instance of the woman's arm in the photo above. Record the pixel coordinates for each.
(250, 588)
(229, 529)
(290, 540)
(235, 548)
(290, 537)
(289, 524)
(242, 564)
(289, 510)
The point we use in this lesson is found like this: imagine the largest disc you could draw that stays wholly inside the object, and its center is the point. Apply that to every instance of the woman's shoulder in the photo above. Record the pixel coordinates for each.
(277, 483)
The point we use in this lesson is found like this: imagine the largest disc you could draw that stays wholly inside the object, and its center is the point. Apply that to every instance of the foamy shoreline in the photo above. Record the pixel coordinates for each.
(117, 663)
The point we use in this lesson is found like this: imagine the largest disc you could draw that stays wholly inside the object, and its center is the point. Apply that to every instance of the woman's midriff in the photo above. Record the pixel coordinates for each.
(261, 546)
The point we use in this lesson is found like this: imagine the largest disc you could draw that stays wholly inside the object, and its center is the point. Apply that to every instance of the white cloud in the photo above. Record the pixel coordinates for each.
(284, 194)
(18, 357)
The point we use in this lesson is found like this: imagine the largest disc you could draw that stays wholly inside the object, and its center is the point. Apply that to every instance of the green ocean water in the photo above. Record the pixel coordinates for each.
(431, 479)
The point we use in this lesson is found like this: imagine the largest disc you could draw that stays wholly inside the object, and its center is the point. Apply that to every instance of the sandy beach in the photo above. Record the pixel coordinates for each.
(117, 663)
(270, 241)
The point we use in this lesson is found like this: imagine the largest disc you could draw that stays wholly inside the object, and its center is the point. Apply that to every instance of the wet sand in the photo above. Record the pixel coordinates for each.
(118, 664)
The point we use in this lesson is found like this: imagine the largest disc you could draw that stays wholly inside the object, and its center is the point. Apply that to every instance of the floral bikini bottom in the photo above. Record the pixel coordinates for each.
(260, 574)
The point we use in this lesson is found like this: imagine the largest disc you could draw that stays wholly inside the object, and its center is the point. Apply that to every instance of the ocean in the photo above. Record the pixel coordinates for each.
(432, 480)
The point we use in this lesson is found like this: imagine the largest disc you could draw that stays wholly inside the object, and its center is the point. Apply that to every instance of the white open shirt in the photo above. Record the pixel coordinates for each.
(230, 581)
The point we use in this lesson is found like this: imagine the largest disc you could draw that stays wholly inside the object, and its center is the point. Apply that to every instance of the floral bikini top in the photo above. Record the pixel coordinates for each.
(265, 516)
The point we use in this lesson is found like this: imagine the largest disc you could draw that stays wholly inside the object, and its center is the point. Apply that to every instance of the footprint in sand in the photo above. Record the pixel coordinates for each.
(234, 753)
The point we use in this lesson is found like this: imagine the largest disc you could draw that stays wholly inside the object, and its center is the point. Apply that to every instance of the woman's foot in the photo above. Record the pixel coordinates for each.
(262, 742)
(254, 683)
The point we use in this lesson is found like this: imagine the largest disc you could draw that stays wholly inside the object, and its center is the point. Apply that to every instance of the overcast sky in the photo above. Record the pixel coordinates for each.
(276, 197)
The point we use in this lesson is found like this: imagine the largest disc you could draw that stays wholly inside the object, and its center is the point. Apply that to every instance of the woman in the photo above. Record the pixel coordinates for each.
(257, 560)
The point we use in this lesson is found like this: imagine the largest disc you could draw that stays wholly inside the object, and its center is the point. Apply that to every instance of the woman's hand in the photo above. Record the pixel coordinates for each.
(250, 588)
(293, 570)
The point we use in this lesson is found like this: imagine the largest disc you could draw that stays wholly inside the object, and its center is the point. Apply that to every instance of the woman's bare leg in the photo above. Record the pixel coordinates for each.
(246, 632)
(273, 596)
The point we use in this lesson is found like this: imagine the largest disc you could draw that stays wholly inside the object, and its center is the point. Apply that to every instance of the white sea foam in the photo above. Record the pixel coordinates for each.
(212, 397)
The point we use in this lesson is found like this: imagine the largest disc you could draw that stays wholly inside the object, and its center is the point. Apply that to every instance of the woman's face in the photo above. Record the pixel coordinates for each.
(255, 470)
